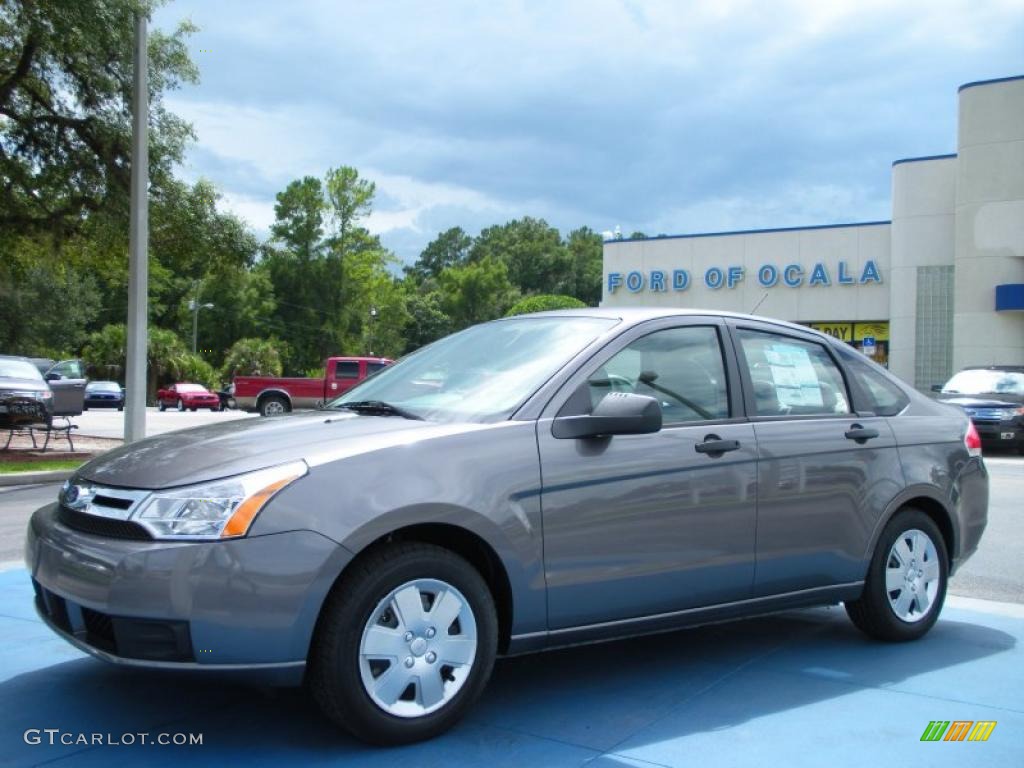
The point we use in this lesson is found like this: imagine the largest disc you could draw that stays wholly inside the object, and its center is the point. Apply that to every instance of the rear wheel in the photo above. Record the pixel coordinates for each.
(273, 405)
(906, 583)
(405, 644)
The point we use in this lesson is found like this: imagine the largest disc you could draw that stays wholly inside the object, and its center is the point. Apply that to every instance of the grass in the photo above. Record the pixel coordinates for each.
(10, 467)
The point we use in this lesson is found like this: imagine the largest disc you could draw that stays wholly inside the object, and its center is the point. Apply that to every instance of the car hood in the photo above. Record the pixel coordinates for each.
(221, 450)
(983, 401)
(23, 385)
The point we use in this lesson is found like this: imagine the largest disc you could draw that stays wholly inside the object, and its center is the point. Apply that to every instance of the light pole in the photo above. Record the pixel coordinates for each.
(138, 245)
(373, 323)
(194, 307)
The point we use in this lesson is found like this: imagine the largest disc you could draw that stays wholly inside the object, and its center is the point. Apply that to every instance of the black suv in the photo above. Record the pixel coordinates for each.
(993, 397)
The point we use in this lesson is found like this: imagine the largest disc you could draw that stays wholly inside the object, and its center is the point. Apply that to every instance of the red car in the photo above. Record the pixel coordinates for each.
(191, 396)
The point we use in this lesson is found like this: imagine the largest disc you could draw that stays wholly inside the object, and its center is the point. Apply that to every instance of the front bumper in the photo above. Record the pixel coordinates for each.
(245, 605)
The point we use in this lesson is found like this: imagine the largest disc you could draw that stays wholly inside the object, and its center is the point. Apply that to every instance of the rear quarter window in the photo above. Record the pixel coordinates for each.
(883, 396)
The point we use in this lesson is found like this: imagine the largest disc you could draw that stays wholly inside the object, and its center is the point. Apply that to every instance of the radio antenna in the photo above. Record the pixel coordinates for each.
(759, 302)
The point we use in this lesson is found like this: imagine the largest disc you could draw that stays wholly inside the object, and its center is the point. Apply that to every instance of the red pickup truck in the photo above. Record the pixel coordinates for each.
(272, 395)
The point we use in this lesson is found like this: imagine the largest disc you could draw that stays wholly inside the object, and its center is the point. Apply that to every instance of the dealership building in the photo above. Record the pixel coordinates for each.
(938, 287)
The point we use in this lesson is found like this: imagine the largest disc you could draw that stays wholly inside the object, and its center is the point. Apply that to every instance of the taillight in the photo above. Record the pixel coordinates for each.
(972, 440)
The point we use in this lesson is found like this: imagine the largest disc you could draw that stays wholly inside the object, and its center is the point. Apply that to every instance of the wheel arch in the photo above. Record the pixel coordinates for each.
(467, 544)
(273, 393)
(929, 501)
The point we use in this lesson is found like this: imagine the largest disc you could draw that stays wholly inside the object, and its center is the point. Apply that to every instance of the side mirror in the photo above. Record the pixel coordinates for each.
(936, 387)
(53, 377)
(619, 413)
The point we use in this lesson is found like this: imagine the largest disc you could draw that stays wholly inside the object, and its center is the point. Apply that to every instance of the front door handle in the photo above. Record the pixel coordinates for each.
(713, 444)
(861, 434)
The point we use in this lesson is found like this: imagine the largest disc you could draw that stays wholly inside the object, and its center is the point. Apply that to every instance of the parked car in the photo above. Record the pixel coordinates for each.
(67, 382)
(993, 397)
(185, 395)
(104, 394)
(274, 395)
(534, 482)
(25, 397)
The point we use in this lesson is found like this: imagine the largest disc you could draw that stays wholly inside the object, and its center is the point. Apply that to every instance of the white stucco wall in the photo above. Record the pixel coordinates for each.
(989, 242)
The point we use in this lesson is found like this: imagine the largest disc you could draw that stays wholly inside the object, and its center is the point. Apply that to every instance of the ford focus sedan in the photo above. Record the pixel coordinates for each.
(529, 483)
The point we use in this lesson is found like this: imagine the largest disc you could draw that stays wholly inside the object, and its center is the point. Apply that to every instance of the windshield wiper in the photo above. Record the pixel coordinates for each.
(379, 408)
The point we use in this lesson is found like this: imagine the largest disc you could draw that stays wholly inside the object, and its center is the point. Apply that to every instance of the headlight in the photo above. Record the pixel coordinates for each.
(30, 394)
(221, 509)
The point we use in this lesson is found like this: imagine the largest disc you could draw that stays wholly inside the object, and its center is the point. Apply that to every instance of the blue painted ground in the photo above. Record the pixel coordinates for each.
(802, 688)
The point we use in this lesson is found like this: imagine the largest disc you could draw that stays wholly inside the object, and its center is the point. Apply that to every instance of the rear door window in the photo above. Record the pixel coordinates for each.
(792, 377)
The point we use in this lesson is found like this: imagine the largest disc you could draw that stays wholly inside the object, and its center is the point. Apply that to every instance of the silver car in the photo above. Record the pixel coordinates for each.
(534, 482)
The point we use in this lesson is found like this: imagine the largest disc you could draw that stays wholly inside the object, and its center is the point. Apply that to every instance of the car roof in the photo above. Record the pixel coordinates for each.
(635, 315)
(1010, 368)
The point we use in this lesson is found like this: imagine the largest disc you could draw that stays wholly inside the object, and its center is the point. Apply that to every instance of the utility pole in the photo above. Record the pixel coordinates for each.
(138, 245)
(195, 306)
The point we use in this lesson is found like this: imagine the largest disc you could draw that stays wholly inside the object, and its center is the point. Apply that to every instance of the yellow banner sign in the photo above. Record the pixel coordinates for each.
(851, 332)
(841, 331)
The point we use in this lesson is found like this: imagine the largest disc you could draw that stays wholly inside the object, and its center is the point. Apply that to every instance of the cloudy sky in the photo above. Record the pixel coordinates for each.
(655, 115)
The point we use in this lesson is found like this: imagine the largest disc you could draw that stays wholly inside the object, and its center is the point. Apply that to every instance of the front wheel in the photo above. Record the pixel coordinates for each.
(160, 406)
(906, 583)
(181, 406)
(405, 644)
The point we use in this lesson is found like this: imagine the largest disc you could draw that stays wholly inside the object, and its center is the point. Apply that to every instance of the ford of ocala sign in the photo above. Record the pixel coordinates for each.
(768, 276)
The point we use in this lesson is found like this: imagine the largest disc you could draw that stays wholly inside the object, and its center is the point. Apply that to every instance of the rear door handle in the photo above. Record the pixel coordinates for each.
(860, 434)
(714, 444)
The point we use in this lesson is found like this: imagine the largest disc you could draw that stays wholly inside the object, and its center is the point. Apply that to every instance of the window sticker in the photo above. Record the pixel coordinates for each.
(796, 382)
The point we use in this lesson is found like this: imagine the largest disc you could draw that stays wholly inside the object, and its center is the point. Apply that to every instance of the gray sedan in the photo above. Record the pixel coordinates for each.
(534, 482)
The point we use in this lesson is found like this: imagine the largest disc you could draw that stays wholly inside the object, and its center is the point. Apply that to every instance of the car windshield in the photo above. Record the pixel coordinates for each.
(986, 382)
(194, 388)
(103, 386)
(482, 373)
(19, 369)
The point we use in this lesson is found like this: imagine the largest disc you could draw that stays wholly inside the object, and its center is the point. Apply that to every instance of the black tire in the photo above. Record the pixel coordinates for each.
(160, 406)
(267, 405)
(193, 409)
(181, 406)
(334, 665)
(121, 408)
(873, 613)
(85, 408)
(216, 408)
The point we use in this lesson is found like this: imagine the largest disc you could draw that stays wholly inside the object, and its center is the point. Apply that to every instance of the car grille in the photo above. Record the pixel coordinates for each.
(101, 526)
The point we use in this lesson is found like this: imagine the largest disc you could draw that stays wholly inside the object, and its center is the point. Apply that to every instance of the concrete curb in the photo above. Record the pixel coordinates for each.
(35, 478)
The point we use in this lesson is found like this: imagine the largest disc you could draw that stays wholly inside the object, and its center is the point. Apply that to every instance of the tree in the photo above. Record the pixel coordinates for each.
(532, 250)
(586, 249)
(253, 357)
(65, 95)
(349, 199)
(543, 303)
(299, 218)
(450, 248)
(167, 357)
(478, 291)
(427, 320)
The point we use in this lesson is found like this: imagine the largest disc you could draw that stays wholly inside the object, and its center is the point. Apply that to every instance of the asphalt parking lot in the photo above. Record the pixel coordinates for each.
(108, 422)
(799, 688)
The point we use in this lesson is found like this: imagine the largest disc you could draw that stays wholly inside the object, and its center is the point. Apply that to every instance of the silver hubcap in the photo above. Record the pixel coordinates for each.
(912, 575)
(417, 648)
(274, 407)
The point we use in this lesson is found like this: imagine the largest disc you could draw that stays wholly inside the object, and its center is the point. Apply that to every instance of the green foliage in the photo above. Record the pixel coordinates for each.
(448, 249)
(428, 321)
(531, 249)
(543, 303)
(105, 354)
(586, 250)
(478, 291)
(315, 373)
(253, 357)
(193, 369)
(65, 88)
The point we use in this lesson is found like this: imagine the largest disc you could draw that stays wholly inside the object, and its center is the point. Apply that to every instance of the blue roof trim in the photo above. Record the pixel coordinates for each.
(923, 159)
(990, 82)
(748, 232)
